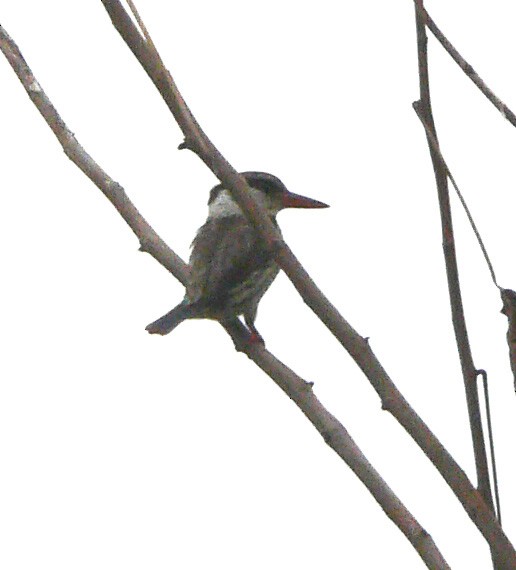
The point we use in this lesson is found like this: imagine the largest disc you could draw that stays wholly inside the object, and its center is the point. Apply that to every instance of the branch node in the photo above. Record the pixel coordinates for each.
(145, 245)
(388, 404)
(188, 144)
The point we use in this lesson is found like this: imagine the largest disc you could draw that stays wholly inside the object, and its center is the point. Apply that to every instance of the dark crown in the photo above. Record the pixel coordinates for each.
(263, 181)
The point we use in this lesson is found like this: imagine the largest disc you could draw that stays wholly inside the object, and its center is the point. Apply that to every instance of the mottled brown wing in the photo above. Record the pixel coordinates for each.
(225, 252)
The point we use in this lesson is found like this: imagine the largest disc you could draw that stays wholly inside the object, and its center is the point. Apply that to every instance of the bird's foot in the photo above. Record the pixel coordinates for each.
(242, 336)
(255, 338)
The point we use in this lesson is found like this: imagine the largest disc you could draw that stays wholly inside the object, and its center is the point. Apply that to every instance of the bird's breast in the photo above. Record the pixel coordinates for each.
(252, 289)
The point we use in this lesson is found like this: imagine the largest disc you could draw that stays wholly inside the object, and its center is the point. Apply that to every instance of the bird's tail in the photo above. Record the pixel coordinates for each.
(167, 323)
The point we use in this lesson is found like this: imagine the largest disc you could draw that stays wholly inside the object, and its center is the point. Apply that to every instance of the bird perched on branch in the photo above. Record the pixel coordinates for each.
(230, 266)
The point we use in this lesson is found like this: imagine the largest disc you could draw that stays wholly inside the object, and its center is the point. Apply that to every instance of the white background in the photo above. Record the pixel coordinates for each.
(119, 450)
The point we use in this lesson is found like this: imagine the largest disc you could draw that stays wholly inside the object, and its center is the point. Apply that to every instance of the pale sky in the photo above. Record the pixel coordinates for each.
(123, 450)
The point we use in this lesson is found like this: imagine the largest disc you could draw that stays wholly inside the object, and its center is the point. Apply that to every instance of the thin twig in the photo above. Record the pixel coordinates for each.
(357, 346)
(435, 144)
(333, 432)
(467, 68)
(483, 374)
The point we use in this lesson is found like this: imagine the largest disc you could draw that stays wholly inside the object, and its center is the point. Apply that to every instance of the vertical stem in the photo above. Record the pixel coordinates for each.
(469, 372)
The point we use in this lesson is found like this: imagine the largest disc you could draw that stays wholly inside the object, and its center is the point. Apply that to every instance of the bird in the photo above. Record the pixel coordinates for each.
(231, 268)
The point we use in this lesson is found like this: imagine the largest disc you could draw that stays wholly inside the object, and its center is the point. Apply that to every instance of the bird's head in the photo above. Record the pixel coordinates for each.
(268, 190)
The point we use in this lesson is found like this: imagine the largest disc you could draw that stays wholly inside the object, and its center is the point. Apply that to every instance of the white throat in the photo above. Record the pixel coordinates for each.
(224, 205)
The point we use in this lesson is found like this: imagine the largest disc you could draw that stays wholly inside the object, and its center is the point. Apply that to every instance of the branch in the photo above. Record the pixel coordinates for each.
(357, 346)
(423, 108)
(149, 240)
(466, 67)
(511, 117)
(432, 140)
(300, 391)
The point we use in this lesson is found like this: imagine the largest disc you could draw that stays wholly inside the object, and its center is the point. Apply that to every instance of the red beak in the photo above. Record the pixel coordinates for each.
(291, 200)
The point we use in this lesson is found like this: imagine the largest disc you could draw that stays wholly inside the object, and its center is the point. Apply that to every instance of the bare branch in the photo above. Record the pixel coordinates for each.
(356, 345)
(467, 68)
(336, 436)
(435, 145)
(459, 323)
(150, 242)
(423, 108)
(300, 391)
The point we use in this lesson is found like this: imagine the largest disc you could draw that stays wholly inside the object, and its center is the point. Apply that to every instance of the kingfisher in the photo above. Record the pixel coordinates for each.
(231, 268)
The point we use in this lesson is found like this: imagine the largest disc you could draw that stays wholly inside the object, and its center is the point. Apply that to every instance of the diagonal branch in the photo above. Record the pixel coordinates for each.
(149, 239)
(357, 346)
(300, 391)
(466, 67)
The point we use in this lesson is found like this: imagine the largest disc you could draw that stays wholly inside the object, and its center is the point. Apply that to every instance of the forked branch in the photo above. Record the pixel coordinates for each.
(424, 110)
(333, 432)
(511, 117)
(466, 67)
(357, 346)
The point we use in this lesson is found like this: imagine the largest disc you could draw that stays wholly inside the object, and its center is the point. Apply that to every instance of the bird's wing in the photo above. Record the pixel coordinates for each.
(225, 253)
